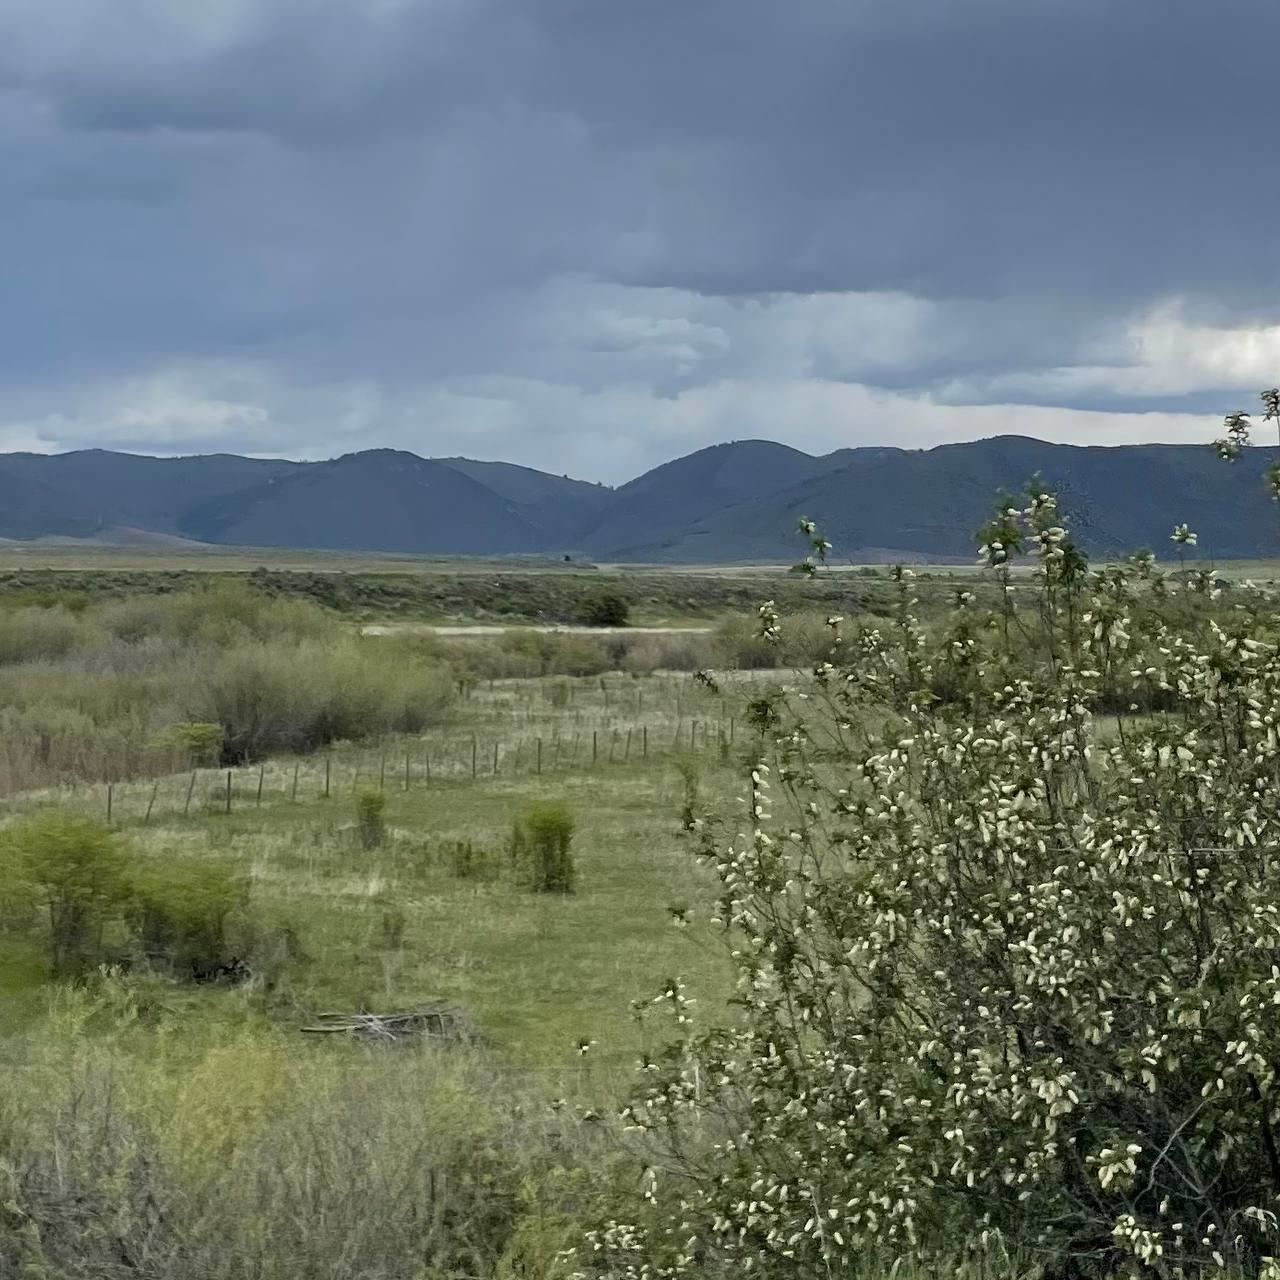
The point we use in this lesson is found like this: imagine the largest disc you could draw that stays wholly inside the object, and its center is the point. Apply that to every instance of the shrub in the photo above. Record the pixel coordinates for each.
(371, 819)
(468, 861)
(542, 845)
(604, 608)
(182, 915)
(75, 876)
(247, 1159)
(201, 743)
(673, 651)
(741, 646)
(275, 698)
(215, 614)
(37, 635)
(690, 774)
(1004, 974)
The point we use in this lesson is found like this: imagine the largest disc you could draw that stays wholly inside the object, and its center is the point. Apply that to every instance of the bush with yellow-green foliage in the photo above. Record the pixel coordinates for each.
(90, 901)
(257, 1155)
(70, 878)
(185, 917)
(276, 698)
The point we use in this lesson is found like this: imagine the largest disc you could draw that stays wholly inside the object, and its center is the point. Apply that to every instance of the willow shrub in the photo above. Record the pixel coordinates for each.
(297, 697)
(189, 918)
(542, 847)
(371, 819)
(72, 876)
(1009, 975)
(34, 634)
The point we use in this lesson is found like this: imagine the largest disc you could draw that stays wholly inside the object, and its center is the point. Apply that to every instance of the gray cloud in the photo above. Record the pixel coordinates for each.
(518, 227)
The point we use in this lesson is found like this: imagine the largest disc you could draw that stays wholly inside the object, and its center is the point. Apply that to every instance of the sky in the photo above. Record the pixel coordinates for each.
(592, 235)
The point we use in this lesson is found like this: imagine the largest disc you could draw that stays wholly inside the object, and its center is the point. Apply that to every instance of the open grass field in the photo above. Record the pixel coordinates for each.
(436, 912)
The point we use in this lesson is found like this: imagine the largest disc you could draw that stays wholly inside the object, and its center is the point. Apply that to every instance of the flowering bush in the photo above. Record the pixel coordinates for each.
(1008, 967)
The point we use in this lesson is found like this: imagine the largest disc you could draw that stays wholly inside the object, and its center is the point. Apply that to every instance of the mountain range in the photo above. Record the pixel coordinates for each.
(738, 501)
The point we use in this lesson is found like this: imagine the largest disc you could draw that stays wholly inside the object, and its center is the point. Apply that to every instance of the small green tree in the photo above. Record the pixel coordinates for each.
(75, 875)
(201, 742)
(371, 819)
(604, 609)
(543, 844)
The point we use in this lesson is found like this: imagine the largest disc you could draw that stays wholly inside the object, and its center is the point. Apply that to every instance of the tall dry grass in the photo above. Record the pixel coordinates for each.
(257, 1157)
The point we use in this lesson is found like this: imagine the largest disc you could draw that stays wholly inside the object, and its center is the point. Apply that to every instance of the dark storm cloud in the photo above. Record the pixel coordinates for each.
(517, 213)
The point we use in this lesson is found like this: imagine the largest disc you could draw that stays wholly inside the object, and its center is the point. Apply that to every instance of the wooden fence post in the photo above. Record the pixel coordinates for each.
(539, 756)
(191, 786)
(228, 790)
(474, 749)
(147, 816)
(294, 793)
(644, 740)
(595, 745)
(109, 797)
(406, 771)
(262, 776)
(495, 759)
(328, 764)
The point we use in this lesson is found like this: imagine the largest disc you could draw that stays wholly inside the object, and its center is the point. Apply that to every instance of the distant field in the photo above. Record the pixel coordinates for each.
(463, 592)
(162, 558)
(157, 558)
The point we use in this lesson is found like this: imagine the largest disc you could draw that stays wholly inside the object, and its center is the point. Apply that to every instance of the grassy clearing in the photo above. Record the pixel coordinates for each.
(199, 1132)
(400, 924)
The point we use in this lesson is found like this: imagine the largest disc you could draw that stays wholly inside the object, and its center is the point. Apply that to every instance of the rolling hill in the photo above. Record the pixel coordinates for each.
(731, 502)
(379, 500)
(895, 504)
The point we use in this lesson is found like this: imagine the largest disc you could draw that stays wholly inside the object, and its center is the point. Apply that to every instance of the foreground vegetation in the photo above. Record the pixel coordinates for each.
(946, 941)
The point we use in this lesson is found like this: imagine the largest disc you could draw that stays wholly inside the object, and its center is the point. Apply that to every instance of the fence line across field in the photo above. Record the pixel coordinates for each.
(406, 765)
(665, 716)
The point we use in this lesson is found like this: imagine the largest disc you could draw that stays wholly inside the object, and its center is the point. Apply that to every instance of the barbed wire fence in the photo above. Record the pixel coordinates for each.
(509, 730)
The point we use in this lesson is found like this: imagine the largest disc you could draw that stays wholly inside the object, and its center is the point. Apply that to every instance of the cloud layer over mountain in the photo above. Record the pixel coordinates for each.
(589, 236)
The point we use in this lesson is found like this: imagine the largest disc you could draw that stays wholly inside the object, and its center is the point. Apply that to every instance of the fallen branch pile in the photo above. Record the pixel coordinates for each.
(434, 1021)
